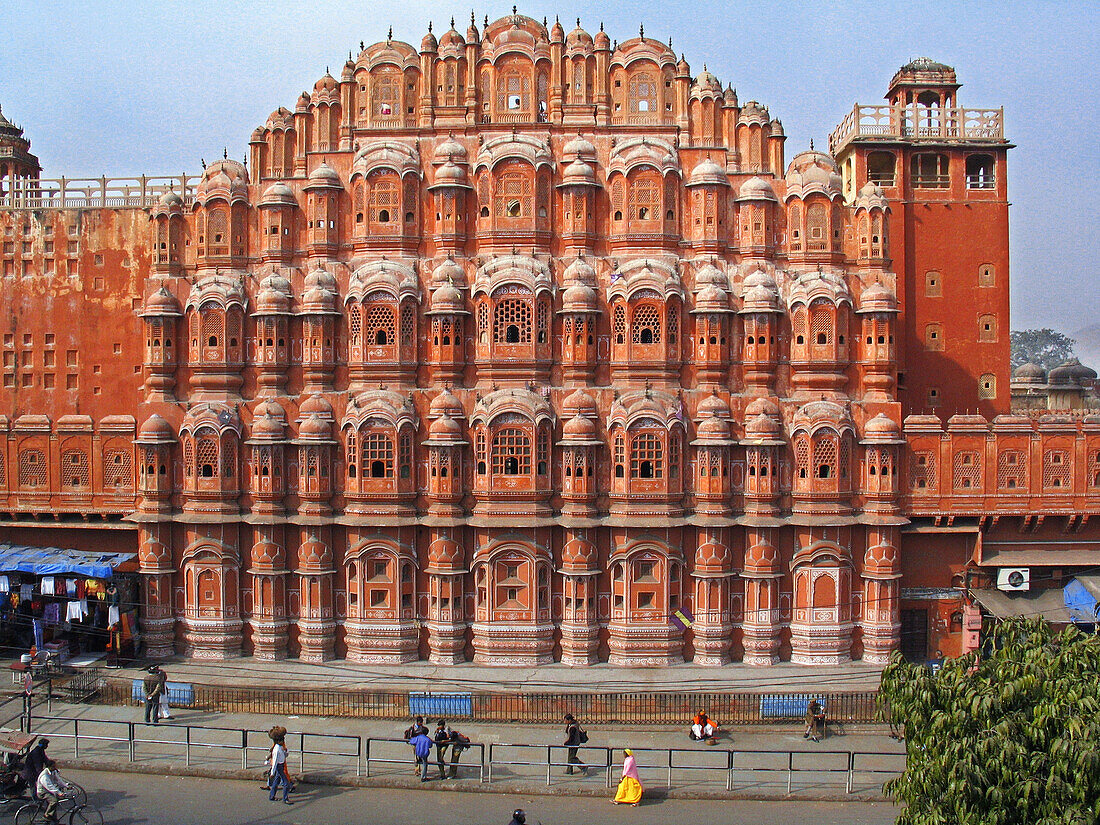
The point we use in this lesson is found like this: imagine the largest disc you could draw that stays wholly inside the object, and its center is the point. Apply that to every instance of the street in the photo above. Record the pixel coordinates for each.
(133, 799)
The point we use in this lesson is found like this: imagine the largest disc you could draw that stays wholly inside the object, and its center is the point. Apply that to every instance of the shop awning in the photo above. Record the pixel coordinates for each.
(54, 561)
(1046, 604)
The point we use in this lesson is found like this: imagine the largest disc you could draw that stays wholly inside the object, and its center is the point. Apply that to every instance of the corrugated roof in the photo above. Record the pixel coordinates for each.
(52, 561)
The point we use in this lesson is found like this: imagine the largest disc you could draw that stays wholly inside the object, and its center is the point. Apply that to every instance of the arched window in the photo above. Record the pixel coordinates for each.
(381, 325)
(645, 324)
(514, 192)
(987, 386)
(966, 470)
(794, 226)
(642, 94)
(75, 472)
(206, 453)
(645, 198)
(979, 172)
(385, 96)
(384, 202)
(512, 321)
(647, 455)
(817, 227)
(377, 451)
(930, 171)
(1011, 470)
(987, 327)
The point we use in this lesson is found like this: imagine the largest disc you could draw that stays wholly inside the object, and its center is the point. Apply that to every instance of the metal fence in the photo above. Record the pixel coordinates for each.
(766, 773)
(652, 708)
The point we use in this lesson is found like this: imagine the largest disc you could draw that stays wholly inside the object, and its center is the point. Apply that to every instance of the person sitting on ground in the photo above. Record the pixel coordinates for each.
(52, 788)
(815, 719)
(703, 727)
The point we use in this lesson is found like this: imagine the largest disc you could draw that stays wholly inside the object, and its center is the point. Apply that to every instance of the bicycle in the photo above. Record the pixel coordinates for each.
(74, 805)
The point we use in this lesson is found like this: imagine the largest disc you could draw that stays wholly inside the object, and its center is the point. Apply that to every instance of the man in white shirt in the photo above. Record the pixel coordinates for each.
(53, 789)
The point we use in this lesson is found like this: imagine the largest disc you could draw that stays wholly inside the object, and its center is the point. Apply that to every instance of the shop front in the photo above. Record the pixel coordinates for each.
(76, 606)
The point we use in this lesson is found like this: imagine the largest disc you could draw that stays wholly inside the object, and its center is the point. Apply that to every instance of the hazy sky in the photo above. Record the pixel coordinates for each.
(122, 88)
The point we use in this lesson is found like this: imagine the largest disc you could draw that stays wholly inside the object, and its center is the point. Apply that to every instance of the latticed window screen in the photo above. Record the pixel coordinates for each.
(409, 204)
(3, 473)
(514, 195)
(483, 317)
(483, 193)
(794, 226)
(1056, 470)
(118, 469)
(380, 325)
(511, 85)
(843, 462)
(377, 450)
(511, 452)
(674, 458)
(355, 324)
(617, 190)
(820, 325)
(408, 325)
(75, 474)
(384, 203)
(233, 326)
(645, 325)
(217, 227)
(229, 457)
(189, 457)
(817, 222)
(825, 455)
(544, 450)
(207, 456)
(311, 462)
(802, 456)
(620, 324)
(672, 186)
(405, 453)
(620, 450)
(512, 319)
(479, 449)
(646, 455)
(645, 199)
(211, 325)
(922, 471)
(642, 93)
(359, 202)
(673, 321)
(1093, 479)
(385, 94)
(32, 468)
(966, 471)
(543, 313)
(1011, 470)
(352, 452)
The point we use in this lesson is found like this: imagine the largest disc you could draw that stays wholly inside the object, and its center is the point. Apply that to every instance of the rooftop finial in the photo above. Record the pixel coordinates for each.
(452, 22)
(225, 153)
(601, 25)
(326, 70)
(544, 21)
(670, 44)
(473, 18)
(811, 144)
(389, 34)
(641, 30)
(362, 45)
(704, 67)
(486, 21)
(513, 8)
(429, 27)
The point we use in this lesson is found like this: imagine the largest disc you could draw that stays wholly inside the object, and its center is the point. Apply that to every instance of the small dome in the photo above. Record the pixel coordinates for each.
(713, 557)
(445, 552)
(314, 428)
(579, 146)
(156, 428)
(877, 298)
(267, 427)
(753, 112)
(348, 73)
(272, 302)
(557, 32)
(325, 175)
(882, 428)
(762, 406)
(170, 203)
(711, 298)
(316, 405)
(451, 149)
(706, 83)
(777, 127)
(578, 38)
(451, 174)
(578, 173)
(580, 270)
(729, 96)
(303, 103)
(1029, 373)
(814, 170)
(761, 427)
(325, 84)
(713, 428)
(578, 554)
(451, 38)
(448, 298)
(601, 40)
(429, 43)
(708, 173)
(579, 427)
(278, 194)
(1072, 372)
(756, 189)
(446, 403)
(449, 270)
(682, 67)
(162, 303)
(713, 405)
(445, 428)
(579, 297)
(579, 403)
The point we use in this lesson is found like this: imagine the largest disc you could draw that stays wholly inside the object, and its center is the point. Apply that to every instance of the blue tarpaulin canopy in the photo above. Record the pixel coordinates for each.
(1082, 597)
(53, 561)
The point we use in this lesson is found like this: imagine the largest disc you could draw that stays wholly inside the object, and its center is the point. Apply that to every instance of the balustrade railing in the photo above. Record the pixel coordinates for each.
(91, 193)
(917, 121)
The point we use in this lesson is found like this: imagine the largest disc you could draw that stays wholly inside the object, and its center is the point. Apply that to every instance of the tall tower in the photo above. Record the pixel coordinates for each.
(943, 169)
(17, 164)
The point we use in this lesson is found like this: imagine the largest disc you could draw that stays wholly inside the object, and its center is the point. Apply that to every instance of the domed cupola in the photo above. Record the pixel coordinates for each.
(580, 309)
(449, 322)
(1029, 373)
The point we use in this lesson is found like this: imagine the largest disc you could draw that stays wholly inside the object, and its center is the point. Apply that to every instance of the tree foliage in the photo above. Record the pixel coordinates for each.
(1046, 347)
(1010, 739)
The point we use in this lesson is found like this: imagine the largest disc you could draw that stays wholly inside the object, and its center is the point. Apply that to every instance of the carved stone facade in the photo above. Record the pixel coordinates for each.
(516, 348)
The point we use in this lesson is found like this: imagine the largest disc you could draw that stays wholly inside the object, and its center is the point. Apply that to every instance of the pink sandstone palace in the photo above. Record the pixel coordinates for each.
(510, 348)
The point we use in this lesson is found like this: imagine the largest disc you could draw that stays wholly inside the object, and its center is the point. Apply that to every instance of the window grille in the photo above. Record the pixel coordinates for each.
(1011, 470)
(1056, 470)
(32, 468)
(408, 325)
(922, 471)
(642, 93)
(646, 455)
(377, 451)
(380, 325)
(207, 456)
(118, 469)
(512, 321)
(645, 324)
(511, 452)
(966, 471)
(74, 470)
(229, 457)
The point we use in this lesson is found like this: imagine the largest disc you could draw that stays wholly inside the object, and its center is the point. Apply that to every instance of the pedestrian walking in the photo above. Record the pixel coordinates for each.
(630, 787)
(278, 734)
(422, 750)
(459, 743)
(575, 736)
(413, 730)
(162, 710)
(278, 775)
(442, 739)
(153, 688)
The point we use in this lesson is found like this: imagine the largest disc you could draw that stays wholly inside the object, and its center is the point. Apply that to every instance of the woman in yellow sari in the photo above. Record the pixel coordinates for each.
(630, 789)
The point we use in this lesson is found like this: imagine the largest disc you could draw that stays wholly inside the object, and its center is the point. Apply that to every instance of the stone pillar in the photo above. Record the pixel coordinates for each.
(316, 618)
(158, 622)
(760, 628)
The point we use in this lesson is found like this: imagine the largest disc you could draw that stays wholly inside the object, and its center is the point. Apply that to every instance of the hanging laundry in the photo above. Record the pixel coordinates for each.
(36, 624)
(52, 614)
(5, 586)
(95, 588)
(80, 588)
(25, 591)
(112, 615)
(73, 612)
(70, 588)
(47, 585)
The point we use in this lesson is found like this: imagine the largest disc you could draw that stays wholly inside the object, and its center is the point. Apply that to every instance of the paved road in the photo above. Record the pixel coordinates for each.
(134, 799)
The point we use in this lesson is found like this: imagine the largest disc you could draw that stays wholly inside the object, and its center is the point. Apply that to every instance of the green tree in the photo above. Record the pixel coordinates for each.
(1010, 739)
(1046, 347)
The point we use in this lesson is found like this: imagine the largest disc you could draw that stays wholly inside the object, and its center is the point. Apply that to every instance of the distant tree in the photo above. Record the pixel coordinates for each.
(1009, 739)
(1045, 347)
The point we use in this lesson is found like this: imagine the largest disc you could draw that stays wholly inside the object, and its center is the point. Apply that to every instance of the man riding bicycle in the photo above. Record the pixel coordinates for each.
(52, 788)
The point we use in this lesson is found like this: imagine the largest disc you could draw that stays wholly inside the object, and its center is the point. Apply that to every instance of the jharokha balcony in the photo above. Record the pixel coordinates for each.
(918, 121)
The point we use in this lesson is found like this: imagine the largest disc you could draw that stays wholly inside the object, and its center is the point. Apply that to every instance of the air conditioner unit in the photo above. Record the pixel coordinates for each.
(1014, 578)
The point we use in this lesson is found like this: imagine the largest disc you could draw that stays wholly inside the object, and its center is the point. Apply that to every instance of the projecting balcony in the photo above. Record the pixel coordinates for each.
(920, 123)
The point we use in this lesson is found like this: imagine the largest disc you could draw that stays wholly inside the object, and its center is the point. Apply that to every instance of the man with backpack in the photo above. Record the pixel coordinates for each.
(575, 736)
(459, 743)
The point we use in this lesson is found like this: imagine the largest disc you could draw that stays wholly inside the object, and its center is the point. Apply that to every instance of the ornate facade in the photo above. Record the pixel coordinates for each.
(512, 347)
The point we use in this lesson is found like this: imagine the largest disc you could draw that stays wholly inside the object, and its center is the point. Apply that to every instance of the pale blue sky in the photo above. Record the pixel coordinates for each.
(123, 88)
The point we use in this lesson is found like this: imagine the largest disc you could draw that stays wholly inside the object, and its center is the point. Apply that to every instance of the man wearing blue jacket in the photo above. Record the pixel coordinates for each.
(422, 749)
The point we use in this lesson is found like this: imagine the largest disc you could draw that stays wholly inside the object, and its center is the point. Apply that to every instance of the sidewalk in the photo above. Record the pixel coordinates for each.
(344, 675)
(337, 751)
